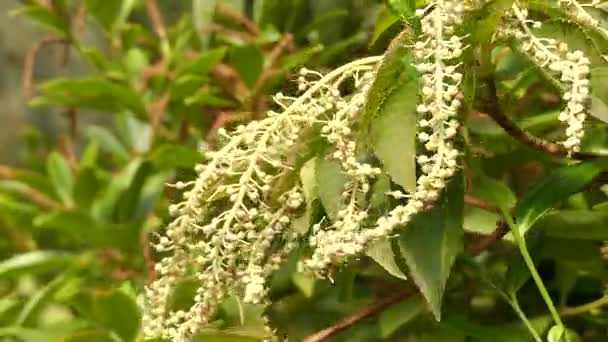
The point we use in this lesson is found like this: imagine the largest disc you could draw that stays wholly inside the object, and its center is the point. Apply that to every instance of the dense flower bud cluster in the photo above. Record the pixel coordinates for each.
(231, 230)
(338, 240)
(438, 49)
(578, 13)
(572, 66)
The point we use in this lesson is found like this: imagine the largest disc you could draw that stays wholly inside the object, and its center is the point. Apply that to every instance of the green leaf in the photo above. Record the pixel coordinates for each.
(35, 262)
(117, 312)
(125, 208)
(108, 142)
(202, 64)
(431, 242)
(399, 314)
(330, 185)
(385, 20)
(61, 177)
(552, 190)
(599, 93)
(557, 334)
(403, 8)
(91, 93)
(382, 253)
(481, 24)
(393, 135)
(106, 12)
(248, 61)
(39, 299)
(45, 18)
(170, 156)
(599, 109)
(575, 224)
(391, 74)
(305, 283)
(493, 191)
(87, 186)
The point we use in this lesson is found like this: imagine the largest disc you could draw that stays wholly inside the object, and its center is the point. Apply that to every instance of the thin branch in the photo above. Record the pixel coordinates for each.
(488, 241)
(577, 310)
(228, 13)
(156, 18)
(367, 312)
(148, 258)
(34, 195)
(481, 204)
(526, 138)
(30, 62)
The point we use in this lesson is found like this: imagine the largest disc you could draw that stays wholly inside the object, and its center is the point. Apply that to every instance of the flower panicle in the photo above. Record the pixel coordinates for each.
(230, 232)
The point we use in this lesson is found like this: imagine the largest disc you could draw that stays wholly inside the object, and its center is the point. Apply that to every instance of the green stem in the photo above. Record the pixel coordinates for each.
(515, 305)
(577, 310)
(523, 249)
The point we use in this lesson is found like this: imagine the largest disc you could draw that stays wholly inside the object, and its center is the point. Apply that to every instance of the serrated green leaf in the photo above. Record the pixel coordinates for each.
(116, 311)
(438, 230)
(382, 253)
(399, 314)
(61, 177)
(392, 71)
(554, 189)
(330, 185)
(393, 134)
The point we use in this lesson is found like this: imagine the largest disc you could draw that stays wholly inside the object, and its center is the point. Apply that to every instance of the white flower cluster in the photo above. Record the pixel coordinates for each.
(579, 14)
(231, 230)
(338, 240)
(438, 48)
(573, 68)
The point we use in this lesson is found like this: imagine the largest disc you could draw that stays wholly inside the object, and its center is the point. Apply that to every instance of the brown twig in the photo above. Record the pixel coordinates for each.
(221, 120)
(30, 62)
(488, 241)
(156, 18)
(526, 138)
(34, 195)
(368, 311)
(257, 97)
(148, 258)
(228, 13)
(476, 202)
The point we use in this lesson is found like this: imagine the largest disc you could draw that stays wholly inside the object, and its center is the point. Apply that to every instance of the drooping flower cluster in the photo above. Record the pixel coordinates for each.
(438, 49)
(339, 239)
(230, 232)
(571, 66)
